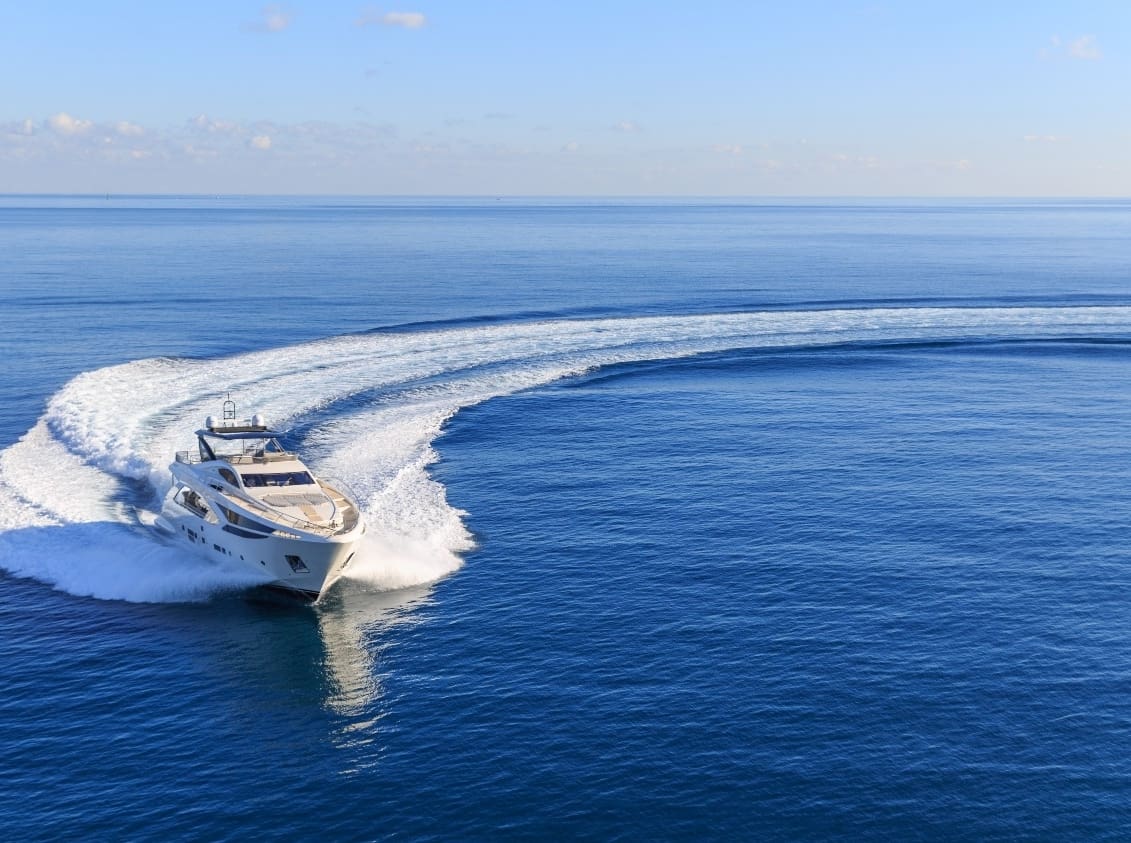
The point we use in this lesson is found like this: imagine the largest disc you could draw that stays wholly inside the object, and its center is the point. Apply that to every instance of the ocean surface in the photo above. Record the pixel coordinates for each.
(691, 520)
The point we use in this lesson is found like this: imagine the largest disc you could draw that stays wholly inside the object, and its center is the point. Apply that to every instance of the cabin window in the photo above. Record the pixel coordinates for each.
(297, 565)
(244, 521)
(230, 476)
(286, 478)
(194, 502)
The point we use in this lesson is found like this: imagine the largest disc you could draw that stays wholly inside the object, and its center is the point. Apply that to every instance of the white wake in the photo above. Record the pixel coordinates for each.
(377, 401)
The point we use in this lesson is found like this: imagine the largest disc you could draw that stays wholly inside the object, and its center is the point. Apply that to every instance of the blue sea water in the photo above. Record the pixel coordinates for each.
(691, 519)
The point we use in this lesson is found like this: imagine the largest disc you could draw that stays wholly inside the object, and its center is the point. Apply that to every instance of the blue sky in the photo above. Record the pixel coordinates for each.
(712, 98)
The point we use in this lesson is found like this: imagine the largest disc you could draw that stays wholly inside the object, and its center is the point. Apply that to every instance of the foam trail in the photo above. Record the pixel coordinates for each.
(114, 562)
(108, 433)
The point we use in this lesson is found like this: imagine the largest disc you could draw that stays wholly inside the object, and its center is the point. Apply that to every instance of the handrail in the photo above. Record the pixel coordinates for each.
(301, 523)
(350, 516)
(276, 515)
(340, 486)
(189, 458)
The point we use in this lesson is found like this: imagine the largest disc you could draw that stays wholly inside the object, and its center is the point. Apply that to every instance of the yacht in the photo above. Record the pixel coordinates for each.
(243, 497)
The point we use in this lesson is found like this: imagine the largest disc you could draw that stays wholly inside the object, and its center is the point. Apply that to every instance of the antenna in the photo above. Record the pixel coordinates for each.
(229, 409)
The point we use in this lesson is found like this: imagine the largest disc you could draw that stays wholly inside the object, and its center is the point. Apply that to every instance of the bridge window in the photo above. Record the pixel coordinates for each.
(286, 478)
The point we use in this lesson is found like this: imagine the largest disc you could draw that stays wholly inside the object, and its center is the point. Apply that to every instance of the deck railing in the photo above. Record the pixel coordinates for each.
(192, 458)
(336, 489)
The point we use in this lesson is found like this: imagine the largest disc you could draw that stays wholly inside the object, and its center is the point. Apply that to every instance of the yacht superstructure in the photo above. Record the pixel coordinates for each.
(243, 497)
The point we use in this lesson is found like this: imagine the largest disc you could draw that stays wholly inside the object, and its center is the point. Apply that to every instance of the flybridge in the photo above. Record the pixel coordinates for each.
(241, 431)
(260, 443)
(228, 427)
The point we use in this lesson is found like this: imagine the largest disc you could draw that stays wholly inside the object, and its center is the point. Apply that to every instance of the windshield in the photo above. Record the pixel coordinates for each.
(286, 478)
(236, 449)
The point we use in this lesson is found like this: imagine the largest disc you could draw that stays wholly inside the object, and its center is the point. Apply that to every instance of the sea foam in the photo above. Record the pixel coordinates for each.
(373, 404)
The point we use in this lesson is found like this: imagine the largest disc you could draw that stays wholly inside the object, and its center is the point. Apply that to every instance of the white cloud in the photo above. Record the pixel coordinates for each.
(215, 127)
(1085, 47)
(1042, 139)
(64, 141)
(407, 20)
(64, 124)
(734, 149)
(571, 147)
(627, 126)
(195, 153)
(272, 18)
(22, 128)
(859, 162)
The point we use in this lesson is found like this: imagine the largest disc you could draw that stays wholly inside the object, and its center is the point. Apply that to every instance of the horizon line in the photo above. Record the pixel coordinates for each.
(501, 196)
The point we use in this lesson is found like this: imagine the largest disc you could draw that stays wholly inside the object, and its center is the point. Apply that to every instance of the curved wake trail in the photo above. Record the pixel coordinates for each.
(63, 519)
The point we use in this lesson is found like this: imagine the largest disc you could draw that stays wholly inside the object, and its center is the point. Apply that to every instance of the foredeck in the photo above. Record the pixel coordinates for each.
(348, 513)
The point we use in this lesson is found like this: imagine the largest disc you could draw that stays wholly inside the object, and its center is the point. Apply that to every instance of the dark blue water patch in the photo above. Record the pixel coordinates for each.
(790, 603)
(179, 720)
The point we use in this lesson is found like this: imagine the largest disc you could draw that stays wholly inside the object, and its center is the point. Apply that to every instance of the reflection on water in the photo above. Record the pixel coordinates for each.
(353, 623)
(311, 673)
(350, 622)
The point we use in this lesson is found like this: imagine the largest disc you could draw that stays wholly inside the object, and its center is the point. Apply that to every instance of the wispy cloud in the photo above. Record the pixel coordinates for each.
(1084, 48)
(960, 165)
(375, 17)
(66, 138)
(19, 128)
(216, 127)
(64, 124)
(1043, 138)
(626, 126)
(272, 18)
(860, 162)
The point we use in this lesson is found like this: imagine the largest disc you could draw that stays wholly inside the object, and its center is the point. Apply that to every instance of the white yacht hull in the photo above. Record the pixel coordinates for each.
(244, 499)
(275, 555)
